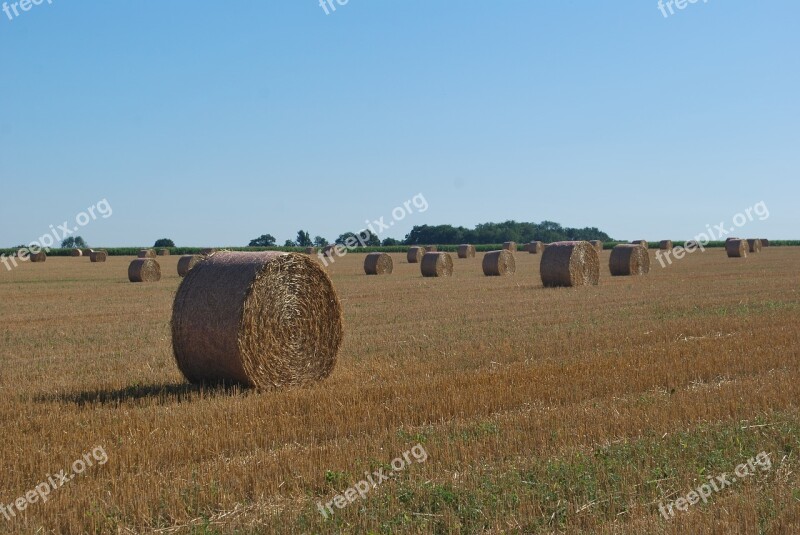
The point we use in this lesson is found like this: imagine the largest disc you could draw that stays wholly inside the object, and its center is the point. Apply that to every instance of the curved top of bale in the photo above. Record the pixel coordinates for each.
(267, 320)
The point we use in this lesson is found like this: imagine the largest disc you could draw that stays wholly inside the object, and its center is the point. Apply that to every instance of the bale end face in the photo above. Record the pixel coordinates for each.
(378, 264)
(571, 263)
(436, 265)
(264, 320)
(629, 259)
(499, 263)
(466, 251)
(144, 270)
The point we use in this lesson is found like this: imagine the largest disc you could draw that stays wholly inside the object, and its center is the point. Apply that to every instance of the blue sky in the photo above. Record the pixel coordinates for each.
(214, 122)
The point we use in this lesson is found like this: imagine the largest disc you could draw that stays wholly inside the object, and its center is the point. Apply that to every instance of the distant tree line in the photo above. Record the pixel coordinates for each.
(484, 233)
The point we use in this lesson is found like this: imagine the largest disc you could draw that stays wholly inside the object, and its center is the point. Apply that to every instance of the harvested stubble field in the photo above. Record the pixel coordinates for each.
(542, 410)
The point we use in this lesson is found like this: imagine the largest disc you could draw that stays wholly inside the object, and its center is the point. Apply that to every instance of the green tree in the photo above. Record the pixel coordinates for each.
(77, 243)
(289, 243)
(303, 239)
(164, 242)
(363, 238)
(319, 241)
(388, 242)
(265, 240)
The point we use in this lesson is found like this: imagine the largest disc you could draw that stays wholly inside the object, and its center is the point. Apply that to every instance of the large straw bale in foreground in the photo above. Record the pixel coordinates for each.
(736, 248)
(415, 254)
(466, 250)
(628, 259)
(187, 262)
(144, 270)
(378, 264)
(498, 263)
(265, 320)
(570, 263)
(436, 265)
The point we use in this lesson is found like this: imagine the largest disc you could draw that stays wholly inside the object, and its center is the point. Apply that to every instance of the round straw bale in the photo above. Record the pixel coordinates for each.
(736, 248)
(76, 252)
(665, 245)
(163, 252)
(431, 248)
(87, 252)
(466, 250)
(597, 244)
(535, 247)
(497, 263)
(414, 255)
(570, 263)
(144, 270)
(207, 251)
(629, 259)
(754, 245)
(98, 256)
(643, 243)
(436, 265)
(510, 246)
(311, 250)
(764, 242)
(147, 253)
(265, 320)
(378, 264)
(187, 262)
(40, 256)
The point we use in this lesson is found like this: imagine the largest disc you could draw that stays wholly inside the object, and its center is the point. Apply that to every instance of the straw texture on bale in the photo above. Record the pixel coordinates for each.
(436, 265)
(311, 250)
(187, 262)
(754, 245)
(144, 270)
(147, 253)
(76, 252)
(535, 247)
(41, 256)
(466, 250)
(643, 243)
(737, 248)
(98, 256)
(414, 255)
(163, 252)
(570, 263)
(378, 264)
(431, 248)
(207, 251)
(665, 245)
(764, 242)
(499, 263)
(510, 246)
(264, 320)
(597, 244)
(629, 259)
